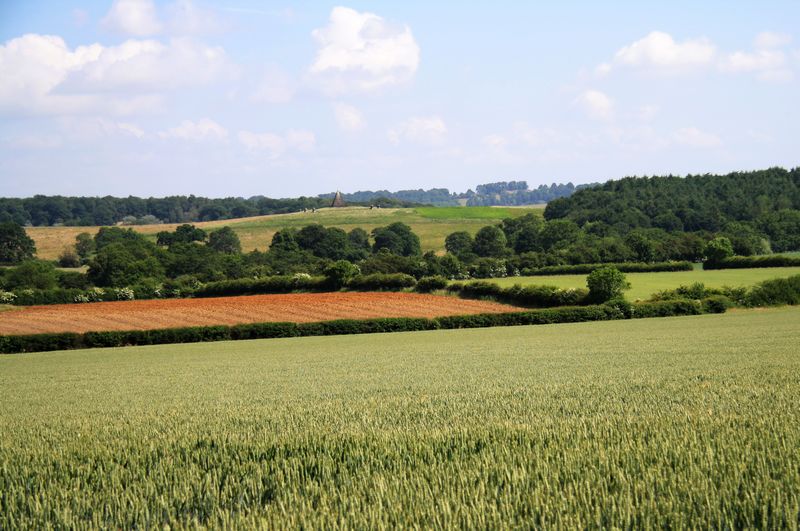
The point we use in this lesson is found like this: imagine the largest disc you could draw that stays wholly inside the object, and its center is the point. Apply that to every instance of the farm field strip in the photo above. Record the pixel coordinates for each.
(299, 308)
(645, 284)
(687, 422)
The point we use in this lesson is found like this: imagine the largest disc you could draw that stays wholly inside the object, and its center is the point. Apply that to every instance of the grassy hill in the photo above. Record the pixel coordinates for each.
(431, 224)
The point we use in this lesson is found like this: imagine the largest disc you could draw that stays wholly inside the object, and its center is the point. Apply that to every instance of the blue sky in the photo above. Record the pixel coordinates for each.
(239, 98)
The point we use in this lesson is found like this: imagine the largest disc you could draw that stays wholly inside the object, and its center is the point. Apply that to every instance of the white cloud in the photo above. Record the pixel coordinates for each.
(41, 75)
(276, 145)
(596, 104)
(647, 112)
(348, 117)
(275, 86)
(494, 141)
(694, 137)
(769, 39)
(361, 51)
(201, 130)
(185, 18)
(421, 130)
(659, 51)
(133, 17)
(767, 61)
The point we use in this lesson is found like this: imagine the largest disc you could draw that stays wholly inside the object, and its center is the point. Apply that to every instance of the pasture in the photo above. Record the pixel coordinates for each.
(429, 224)
(645, 284)
(688, 422)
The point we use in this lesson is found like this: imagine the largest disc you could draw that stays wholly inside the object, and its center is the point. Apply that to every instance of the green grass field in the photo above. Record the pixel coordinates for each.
(645, 284)
(432, 225)
(689, 422)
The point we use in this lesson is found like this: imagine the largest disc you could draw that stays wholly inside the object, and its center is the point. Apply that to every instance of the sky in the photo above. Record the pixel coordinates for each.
(244, 97)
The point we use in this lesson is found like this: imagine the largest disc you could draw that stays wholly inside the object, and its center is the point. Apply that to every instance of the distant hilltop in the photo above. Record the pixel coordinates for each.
(502, 193)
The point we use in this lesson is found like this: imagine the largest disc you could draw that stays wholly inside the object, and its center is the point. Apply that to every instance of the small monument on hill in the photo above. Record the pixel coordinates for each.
(338, 200)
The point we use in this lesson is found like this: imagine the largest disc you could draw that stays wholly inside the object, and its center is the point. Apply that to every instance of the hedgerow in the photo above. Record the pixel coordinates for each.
(625, 267)
(571, 314)
(747, 262)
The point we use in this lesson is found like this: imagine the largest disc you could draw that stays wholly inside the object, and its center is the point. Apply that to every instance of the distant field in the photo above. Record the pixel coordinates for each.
(678, 423)
(293, 307)
(645, 284)
(257, 232)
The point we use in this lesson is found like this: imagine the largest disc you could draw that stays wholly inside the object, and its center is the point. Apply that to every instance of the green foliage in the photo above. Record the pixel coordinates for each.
(459, 243)
(429, 284)
(382, 282)
(397, 238)
(185, 233)
(32, 274)
(340, 273)
(250, 286)
(124, 259)
(84, 245)
(15, 244)
(748, 262)
(775, 292)
(718, 249)
(629, 267)
(527, 296)
(490, 242)
(69, 258)
(606, 283)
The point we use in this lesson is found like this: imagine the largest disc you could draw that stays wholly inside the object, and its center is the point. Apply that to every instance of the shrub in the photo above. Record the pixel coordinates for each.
(625, 267)
(746, 262)
(251, 286)
(775, 292)
(718, 249)
(606, 283)
(340, 273)
(382, 282)
(529, 296)
(428, 284)
(488, 268)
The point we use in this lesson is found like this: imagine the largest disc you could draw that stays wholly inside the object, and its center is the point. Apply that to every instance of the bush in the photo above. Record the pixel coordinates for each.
(625, 267)
(250, 286)
(606, 283)
(488, 268)
(718, 249)
(340, 273)
(382, 282)
(528, 296)
(428, 284)
(775, 292)
(746, 262)
(72, 280)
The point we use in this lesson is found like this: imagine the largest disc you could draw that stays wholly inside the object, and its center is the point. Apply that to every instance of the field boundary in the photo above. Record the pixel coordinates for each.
(14, 344)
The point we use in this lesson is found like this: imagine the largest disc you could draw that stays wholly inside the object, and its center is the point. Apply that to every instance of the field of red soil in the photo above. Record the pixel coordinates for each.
(298, 308)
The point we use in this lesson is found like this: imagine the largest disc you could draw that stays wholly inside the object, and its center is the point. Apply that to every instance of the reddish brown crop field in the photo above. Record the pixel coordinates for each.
(298, 308)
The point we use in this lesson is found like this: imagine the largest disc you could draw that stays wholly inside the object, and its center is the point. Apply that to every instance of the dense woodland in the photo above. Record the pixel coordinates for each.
(765, 203)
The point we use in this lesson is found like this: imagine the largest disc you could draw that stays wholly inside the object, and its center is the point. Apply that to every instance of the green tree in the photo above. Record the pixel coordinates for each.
(398, 238)
(225, 241)
(32, 274)
(642, 246)
(718, 249)
(185, 233)
(15, 244)
(125, 263)
(340, 273)
(490, 242)
(606, 283)
(459, 243)
(84, 245)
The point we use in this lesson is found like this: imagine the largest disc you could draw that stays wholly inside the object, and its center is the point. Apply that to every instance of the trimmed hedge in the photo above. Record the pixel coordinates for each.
(258, 286)
(67, 341)
(528, 296)
(747, 262)
(429, 284)
(382, 282)
(625, 267)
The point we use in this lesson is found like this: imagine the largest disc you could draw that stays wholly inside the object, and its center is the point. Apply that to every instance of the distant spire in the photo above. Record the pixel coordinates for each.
(338, 200)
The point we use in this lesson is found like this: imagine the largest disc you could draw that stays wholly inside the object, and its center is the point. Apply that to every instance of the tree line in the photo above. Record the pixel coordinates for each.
(764, 203)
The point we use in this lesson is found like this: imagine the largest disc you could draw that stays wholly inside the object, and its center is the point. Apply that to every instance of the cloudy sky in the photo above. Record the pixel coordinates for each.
(245, 97)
